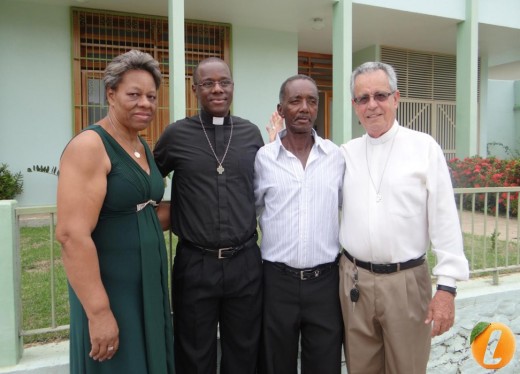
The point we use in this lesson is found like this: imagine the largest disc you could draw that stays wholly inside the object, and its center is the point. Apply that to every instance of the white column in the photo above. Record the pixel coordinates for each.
(176, 59)
(11, 343)
(342, 68)
(467, 81)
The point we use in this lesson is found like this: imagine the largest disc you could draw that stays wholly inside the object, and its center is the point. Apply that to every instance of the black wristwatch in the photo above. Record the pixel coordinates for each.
(452, 290)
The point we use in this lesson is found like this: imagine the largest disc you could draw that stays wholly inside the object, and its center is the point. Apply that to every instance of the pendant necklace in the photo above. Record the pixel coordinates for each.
(220, 168)
(377, 189)
(136, 153)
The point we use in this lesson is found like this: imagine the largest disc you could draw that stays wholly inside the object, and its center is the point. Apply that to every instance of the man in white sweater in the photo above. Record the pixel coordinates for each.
(397, 199)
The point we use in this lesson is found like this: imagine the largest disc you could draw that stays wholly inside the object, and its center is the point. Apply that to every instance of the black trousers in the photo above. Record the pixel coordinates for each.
(307, 308)
(208, 291)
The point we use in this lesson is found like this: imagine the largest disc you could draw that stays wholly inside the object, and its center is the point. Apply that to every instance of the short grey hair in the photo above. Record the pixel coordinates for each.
(281, 95)
(131, 60)
(371, 66)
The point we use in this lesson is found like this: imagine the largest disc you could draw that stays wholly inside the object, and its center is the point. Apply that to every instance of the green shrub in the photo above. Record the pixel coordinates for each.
(11, 184)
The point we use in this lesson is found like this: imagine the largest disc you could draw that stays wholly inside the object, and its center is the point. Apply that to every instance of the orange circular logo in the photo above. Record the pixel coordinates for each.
(492, 344)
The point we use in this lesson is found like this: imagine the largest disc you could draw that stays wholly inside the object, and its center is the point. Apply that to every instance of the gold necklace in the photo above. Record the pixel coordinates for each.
(220, 168)
(136, 152)
(377, 189)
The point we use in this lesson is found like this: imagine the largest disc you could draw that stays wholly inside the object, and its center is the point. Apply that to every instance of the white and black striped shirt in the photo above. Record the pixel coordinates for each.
(299, 208)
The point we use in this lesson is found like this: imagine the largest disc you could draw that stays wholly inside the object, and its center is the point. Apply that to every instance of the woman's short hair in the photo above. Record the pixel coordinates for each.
(131, 60)
(369, 67)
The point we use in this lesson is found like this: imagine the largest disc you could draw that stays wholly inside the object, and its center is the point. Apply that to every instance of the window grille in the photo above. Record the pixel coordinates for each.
(318, 67)
(423, 75)
(99, 36)
(427, 83)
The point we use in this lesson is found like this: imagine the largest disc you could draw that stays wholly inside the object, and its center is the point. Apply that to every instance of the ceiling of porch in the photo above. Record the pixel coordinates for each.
(371, 25)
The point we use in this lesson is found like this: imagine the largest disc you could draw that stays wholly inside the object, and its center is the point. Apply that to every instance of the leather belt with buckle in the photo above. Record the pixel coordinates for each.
(304, 274)
(385, 268)
(221, 253)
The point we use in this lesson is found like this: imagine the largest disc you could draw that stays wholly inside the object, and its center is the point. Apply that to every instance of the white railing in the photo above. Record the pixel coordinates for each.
(491, 238)
(39, 217)
(489, 220)
(45, 216)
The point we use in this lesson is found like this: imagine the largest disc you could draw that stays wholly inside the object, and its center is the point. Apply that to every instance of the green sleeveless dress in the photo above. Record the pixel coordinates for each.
(134, 270)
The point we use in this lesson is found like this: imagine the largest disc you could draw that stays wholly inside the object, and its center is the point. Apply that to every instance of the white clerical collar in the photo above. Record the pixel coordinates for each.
(385, 137)
(218, 120)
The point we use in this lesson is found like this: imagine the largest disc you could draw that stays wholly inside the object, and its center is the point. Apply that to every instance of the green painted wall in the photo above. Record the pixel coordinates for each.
(35, 93)
(492, 12)
(371, 53)
(441, 8)
(501, 102)
(261, 60)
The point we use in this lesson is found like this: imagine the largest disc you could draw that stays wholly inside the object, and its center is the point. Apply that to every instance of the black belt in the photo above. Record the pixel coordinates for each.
(385, 268)
(305, 274)
(221, 253)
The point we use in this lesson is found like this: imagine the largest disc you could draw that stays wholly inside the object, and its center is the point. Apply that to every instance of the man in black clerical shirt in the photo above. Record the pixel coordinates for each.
(217, 271)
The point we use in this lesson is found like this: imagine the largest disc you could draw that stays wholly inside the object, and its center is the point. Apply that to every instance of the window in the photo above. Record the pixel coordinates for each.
(99, 36)
(319, 67)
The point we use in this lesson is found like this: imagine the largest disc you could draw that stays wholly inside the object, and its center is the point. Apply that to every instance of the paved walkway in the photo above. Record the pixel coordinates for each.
(53, 358)
(480, 224)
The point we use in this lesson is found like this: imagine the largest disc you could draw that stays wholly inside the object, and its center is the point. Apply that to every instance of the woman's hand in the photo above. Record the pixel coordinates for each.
(104, 336)
(163, 213)
(274, 126)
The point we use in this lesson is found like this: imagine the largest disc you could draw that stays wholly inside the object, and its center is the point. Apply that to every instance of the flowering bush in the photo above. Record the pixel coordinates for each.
(487, 172)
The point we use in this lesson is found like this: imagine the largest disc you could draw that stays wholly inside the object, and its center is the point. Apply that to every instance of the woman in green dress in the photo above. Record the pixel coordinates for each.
(112, 241)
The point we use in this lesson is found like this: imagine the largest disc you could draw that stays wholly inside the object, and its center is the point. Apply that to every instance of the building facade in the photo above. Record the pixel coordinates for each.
(458, 64)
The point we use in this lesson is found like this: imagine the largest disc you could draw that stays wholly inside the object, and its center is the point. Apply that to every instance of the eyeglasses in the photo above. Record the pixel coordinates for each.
(380, 97)
(210, 84)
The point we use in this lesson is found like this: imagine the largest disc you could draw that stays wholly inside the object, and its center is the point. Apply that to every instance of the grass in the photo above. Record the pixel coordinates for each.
(36, 285)
(481, 254)
(36, 288)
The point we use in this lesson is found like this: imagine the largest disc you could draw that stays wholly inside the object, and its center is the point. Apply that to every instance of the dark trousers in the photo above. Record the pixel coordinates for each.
(294, 307)
(208, 291)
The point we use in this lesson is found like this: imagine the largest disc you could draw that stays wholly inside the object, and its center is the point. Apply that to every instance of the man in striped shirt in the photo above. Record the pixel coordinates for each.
(298, 182)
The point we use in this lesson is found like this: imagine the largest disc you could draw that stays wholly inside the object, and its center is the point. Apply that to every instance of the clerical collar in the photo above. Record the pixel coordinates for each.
(385, 137)
(217, 121)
